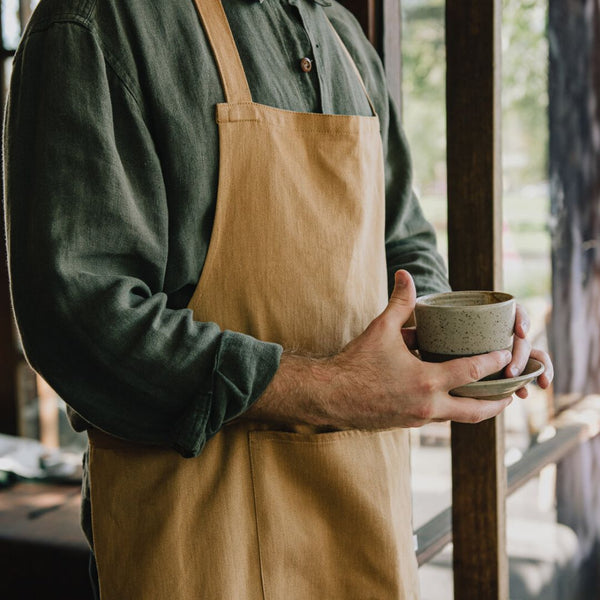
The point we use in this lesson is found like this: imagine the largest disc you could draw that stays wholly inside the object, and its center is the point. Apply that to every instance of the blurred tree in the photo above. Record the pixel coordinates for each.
(423, 86)
(525, 97)
(524, 91)
(575, 191)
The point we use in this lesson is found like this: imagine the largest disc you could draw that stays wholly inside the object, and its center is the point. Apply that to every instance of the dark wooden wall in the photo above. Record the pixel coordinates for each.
(8, 354)
(8, 350)
(574, 162)
(574, 331)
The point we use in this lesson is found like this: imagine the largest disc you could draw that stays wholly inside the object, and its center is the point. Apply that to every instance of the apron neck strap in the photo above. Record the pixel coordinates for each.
(349, 56)
(227, 57)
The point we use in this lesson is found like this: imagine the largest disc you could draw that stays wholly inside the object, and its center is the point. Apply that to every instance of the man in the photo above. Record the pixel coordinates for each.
(207, 208)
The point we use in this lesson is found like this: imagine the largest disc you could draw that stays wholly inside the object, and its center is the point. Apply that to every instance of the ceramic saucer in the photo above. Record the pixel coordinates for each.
(495, 389)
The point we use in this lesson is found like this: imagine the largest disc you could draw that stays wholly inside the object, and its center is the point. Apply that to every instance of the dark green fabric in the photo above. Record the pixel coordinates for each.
(111, 169)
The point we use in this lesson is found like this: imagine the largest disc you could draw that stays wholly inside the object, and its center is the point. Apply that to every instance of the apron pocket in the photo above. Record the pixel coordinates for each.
(333, 515)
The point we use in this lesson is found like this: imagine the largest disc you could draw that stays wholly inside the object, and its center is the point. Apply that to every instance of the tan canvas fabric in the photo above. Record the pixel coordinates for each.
(296, 257)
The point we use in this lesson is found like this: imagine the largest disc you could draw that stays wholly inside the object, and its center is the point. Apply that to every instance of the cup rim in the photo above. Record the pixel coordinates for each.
(435, 300)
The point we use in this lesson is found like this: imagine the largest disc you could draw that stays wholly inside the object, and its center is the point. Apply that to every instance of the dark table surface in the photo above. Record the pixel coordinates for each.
(43, 553)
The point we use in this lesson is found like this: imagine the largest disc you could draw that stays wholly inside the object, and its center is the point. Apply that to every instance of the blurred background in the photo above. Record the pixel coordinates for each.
(544, 554)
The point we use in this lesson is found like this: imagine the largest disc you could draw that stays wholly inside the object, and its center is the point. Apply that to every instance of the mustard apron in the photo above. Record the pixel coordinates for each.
(296, 257)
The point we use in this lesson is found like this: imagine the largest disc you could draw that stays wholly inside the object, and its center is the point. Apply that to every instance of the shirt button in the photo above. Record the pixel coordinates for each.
(306, 64)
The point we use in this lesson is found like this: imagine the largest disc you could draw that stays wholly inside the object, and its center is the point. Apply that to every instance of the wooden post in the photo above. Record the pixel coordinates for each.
(475, 254)
(367, 13)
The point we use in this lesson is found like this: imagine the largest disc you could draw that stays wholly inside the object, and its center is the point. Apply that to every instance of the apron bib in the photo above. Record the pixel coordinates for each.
(296, 257)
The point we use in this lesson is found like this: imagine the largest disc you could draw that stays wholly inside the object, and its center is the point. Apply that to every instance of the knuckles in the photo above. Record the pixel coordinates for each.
(477, 416)
(428, 384)
(475, 371)
(424, 412)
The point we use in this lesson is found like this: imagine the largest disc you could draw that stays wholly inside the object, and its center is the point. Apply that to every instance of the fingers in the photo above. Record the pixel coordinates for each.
(470, 410)
(545, 379)
(522, 393)
(520, 355)
(522, 323)
(522, 351)
(403, 298)
(461, 371)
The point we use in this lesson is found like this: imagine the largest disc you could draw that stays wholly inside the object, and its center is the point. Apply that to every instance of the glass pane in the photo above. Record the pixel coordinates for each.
(424, 114)
(527, 261)
(423, 88)
(526, 201)
(526, 198)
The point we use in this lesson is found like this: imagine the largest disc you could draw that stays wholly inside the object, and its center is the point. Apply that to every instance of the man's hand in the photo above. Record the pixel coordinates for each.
(376, 382)
(522, 351)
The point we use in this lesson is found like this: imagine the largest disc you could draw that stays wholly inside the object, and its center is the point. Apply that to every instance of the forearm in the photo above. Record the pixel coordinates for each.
(300, 393)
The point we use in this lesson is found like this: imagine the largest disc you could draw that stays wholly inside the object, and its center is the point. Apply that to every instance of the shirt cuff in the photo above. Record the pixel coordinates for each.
(243, 368)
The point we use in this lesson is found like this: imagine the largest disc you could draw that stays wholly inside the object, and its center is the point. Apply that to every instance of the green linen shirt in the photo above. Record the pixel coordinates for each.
(111, 170)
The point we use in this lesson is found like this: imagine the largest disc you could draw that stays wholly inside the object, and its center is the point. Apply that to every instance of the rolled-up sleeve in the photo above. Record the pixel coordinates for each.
(87, 221)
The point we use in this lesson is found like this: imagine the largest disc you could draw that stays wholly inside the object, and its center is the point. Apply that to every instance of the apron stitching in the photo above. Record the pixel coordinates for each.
(329, 132)
(253, 479)
(91, 460)
(307, 115)
(324, 438)
(287, 128)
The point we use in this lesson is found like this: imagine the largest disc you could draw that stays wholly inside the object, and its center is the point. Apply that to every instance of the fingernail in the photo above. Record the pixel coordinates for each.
(513, 371)
(400, 279)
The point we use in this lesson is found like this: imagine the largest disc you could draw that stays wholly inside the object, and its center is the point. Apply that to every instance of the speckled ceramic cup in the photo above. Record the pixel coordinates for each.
(456, 324)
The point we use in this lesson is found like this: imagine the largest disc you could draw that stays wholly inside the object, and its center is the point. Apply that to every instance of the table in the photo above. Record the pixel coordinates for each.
(43, 553)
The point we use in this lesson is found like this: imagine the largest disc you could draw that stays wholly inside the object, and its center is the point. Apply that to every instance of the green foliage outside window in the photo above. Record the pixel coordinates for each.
(524, 129)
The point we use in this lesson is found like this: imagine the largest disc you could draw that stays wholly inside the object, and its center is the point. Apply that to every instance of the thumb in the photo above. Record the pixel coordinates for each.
(403, 298)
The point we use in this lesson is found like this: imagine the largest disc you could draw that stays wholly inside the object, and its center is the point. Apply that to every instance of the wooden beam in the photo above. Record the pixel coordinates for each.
(434, 536)
(367, 13)
(474, 246)
(566, 433)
